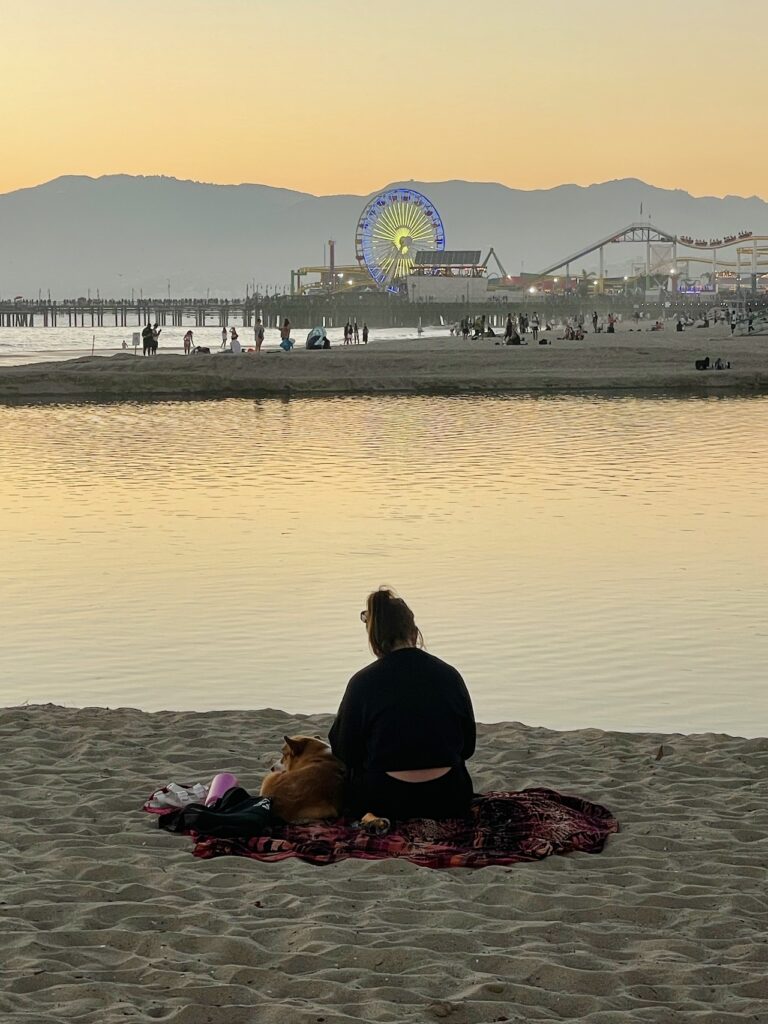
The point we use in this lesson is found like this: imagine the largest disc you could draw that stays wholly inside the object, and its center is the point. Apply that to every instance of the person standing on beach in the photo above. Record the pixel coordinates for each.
(224, 338)
(535, 326)
(146, 339)
(234, 337)
(365, 333)
(286, 342)
(155, 339)
(347, 333)
(356, 332)
(405, 726)
(595, 319)
(188, 342)
(258, 334)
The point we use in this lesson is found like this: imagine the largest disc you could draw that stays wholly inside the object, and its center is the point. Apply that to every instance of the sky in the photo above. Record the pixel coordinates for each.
(345, 96)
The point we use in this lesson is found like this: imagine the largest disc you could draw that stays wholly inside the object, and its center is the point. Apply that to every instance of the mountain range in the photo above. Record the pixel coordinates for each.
(155, 235)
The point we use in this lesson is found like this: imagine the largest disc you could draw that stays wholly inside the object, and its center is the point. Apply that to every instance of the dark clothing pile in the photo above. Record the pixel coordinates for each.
(236, 815)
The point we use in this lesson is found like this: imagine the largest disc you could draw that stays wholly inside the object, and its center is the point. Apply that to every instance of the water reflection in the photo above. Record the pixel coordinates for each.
(585, 561)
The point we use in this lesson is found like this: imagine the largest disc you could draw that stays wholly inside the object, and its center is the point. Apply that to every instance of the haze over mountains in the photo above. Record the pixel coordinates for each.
(118, 233)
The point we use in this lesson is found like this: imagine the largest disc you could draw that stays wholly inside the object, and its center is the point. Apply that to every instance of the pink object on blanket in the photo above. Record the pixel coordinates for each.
(219, 785)
(501, 829)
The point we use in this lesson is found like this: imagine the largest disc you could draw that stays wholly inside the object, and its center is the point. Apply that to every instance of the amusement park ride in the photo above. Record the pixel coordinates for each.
(400, 236)
(667, 258)
(393, 229)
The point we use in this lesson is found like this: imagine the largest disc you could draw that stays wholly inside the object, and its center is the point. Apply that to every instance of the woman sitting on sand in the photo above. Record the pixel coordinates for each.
(405, 726)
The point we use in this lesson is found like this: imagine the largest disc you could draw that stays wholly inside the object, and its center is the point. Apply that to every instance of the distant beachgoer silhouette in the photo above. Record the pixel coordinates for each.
(146, 339)
(258, 334)
(188, 343)
(356, 332)
(286, 341)
(155, 338)
(365, 333)
(224, 338)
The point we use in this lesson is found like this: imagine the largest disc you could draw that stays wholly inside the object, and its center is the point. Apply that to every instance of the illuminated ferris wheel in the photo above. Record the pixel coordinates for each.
(393, 228)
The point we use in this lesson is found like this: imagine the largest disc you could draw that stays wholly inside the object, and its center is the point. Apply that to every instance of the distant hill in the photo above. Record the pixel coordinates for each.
(120, 232)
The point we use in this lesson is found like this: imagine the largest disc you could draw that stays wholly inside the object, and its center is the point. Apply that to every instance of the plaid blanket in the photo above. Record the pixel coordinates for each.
(502, 828)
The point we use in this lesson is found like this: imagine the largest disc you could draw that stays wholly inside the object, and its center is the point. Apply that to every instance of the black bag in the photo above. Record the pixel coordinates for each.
(237, 815)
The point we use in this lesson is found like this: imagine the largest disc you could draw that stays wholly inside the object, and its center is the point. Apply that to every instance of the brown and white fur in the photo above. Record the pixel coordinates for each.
(307, 784)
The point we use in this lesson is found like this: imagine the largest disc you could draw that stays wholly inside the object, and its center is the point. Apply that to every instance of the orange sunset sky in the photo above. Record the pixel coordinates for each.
(332, 96)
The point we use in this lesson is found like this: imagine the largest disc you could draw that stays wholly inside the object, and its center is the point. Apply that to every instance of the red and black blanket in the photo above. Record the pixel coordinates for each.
(502, 828)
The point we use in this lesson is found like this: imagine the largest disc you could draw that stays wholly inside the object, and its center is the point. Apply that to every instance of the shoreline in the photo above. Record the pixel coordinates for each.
(626, 361)
(659, 736)
(106, 916)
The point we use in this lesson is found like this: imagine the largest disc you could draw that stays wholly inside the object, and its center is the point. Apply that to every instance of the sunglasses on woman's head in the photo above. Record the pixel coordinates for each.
(364, 616)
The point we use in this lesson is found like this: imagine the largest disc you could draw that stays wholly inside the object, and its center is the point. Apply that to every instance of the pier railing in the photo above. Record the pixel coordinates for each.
(378, 310)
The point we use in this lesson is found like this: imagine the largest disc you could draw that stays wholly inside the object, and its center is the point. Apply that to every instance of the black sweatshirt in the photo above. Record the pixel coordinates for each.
(407, 710)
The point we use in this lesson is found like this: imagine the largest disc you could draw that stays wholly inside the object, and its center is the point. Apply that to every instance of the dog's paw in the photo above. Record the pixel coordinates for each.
(375, 826)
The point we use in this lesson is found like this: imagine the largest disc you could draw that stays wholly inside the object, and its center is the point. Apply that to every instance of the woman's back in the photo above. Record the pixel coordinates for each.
(408, 710)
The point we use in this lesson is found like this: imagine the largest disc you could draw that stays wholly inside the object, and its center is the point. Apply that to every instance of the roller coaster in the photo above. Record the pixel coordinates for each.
(666, 251)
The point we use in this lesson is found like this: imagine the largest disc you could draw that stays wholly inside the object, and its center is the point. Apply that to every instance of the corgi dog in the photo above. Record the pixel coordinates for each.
(308, 784)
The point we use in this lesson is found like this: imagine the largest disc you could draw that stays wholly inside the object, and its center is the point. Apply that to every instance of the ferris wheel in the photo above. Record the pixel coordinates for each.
(393, 228)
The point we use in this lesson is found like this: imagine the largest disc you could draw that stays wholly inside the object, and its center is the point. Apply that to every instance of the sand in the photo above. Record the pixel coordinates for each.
(105, 918)
(655, 361)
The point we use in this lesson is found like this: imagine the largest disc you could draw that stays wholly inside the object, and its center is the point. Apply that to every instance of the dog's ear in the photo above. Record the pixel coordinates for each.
(294, 745)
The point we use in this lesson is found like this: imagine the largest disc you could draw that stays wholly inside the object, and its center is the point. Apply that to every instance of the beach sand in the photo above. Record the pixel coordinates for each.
(105, 918)
(627, 360)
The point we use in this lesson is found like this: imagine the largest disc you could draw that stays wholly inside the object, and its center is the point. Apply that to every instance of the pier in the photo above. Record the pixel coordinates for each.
(379, 310)
(328, 310)
(125, 313)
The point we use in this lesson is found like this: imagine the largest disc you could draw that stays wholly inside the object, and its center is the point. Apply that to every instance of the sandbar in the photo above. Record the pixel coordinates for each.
(628, 360)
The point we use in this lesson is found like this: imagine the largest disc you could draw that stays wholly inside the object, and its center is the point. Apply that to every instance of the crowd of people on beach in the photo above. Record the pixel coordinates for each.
(352, 333)
(520, 325)
(730, 317)
(518, 328)
(231, 342)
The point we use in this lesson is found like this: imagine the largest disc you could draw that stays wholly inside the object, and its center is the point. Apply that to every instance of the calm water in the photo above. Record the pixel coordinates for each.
(584, 562)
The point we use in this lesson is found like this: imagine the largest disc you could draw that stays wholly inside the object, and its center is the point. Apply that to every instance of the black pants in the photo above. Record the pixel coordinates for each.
(378, 793)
